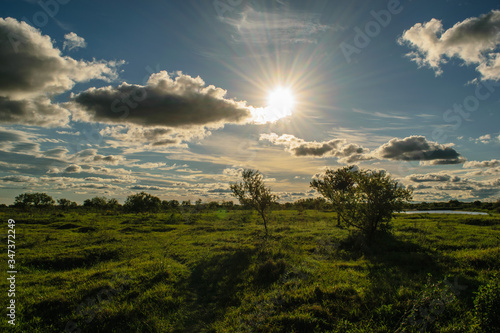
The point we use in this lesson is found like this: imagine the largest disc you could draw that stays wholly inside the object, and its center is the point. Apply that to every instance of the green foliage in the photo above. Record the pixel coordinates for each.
(366, 200)
(34, 199)
(252, 192)
(142, 202)
(338, 187)
(487, 307)
(66, 204)
(101, 203)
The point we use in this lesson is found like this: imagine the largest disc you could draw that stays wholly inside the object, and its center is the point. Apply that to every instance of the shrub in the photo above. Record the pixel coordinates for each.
(487, 307)
(363, 199)
(142, 202)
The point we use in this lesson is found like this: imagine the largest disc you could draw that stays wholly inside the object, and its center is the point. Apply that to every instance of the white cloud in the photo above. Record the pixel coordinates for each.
(475, 41)
(482, 164)
(73, 41)
(282, 27)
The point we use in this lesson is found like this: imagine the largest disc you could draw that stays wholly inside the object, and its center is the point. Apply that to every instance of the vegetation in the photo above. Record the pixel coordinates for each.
(252, 192)
(338, 187)
(105, 271)
(142, 202)
(363, 199)
(33, 199)
(101, 203)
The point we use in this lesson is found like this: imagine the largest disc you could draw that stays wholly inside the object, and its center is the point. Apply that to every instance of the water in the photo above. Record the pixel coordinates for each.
(443, 212)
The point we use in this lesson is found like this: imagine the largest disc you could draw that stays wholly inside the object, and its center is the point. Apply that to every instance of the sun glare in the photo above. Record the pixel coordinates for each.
(280, 103)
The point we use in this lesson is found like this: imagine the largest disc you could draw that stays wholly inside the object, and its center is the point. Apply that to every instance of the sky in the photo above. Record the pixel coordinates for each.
(176, 98)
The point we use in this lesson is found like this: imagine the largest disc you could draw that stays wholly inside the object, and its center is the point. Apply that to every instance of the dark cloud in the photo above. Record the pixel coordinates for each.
(38, 112)
(182, 102)
(316, 149)
(346, 152)
(417, 148)
(32, 70)
(414, 148)
(18, 179)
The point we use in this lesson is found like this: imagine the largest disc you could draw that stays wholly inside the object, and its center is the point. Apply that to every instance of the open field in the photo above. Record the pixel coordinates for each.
(213, 271)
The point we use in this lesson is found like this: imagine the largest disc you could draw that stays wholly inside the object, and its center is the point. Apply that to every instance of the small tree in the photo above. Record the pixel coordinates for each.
(142, 202)
(368, 202)
(252, 192)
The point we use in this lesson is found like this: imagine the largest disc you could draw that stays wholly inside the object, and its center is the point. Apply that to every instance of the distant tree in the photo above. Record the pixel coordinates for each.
(370, 199)
(186, 203)
(34, 199)
(66, 204)
(253, 193)
(142, 202)
(173, 204)
(213, 205)
(112, 204)
(227, 204)
(337, 186)
(101, 203)
(96, 202)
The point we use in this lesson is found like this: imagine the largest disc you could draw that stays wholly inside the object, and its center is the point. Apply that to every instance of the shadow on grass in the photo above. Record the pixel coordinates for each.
(216, 283)
(81, 259)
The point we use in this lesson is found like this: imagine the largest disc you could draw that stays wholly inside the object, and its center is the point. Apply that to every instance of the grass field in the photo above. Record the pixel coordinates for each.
(214, 272)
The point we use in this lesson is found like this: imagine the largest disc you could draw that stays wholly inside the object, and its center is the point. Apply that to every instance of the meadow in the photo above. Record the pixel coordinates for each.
(214, 271)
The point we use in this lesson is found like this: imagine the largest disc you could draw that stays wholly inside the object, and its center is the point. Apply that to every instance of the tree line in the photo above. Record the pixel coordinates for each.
(363, 199)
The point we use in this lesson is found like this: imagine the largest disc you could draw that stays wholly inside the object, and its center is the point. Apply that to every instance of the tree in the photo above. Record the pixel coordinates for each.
(96, 202)
(101, 203)
(66, 204)
(213, 205)
(252, 192)
(142, 202)
(173, 204)
(34, 199)
(337, 186)
(112, 204)
(370, 199)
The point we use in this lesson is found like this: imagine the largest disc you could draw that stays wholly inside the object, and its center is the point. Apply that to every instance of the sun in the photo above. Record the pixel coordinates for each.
(280, 104)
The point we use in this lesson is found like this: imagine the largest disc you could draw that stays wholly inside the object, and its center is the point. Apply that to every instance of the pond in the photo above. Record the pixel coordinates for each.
(443, 212)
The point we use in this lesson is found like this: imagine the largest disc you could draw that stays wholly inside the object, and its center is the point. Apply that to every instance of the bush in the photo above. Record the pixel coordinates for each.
(363, 199)
(142, 202)
(487, 307)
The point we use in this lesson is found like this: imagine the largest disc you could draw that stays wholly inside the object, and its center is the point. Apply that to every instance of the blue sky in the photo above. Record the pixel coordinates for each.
(173, 97)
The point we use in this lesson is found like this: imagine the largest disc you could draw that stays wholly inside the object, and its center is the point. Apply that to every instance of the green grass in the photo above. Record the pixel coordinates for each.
(215, 272)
